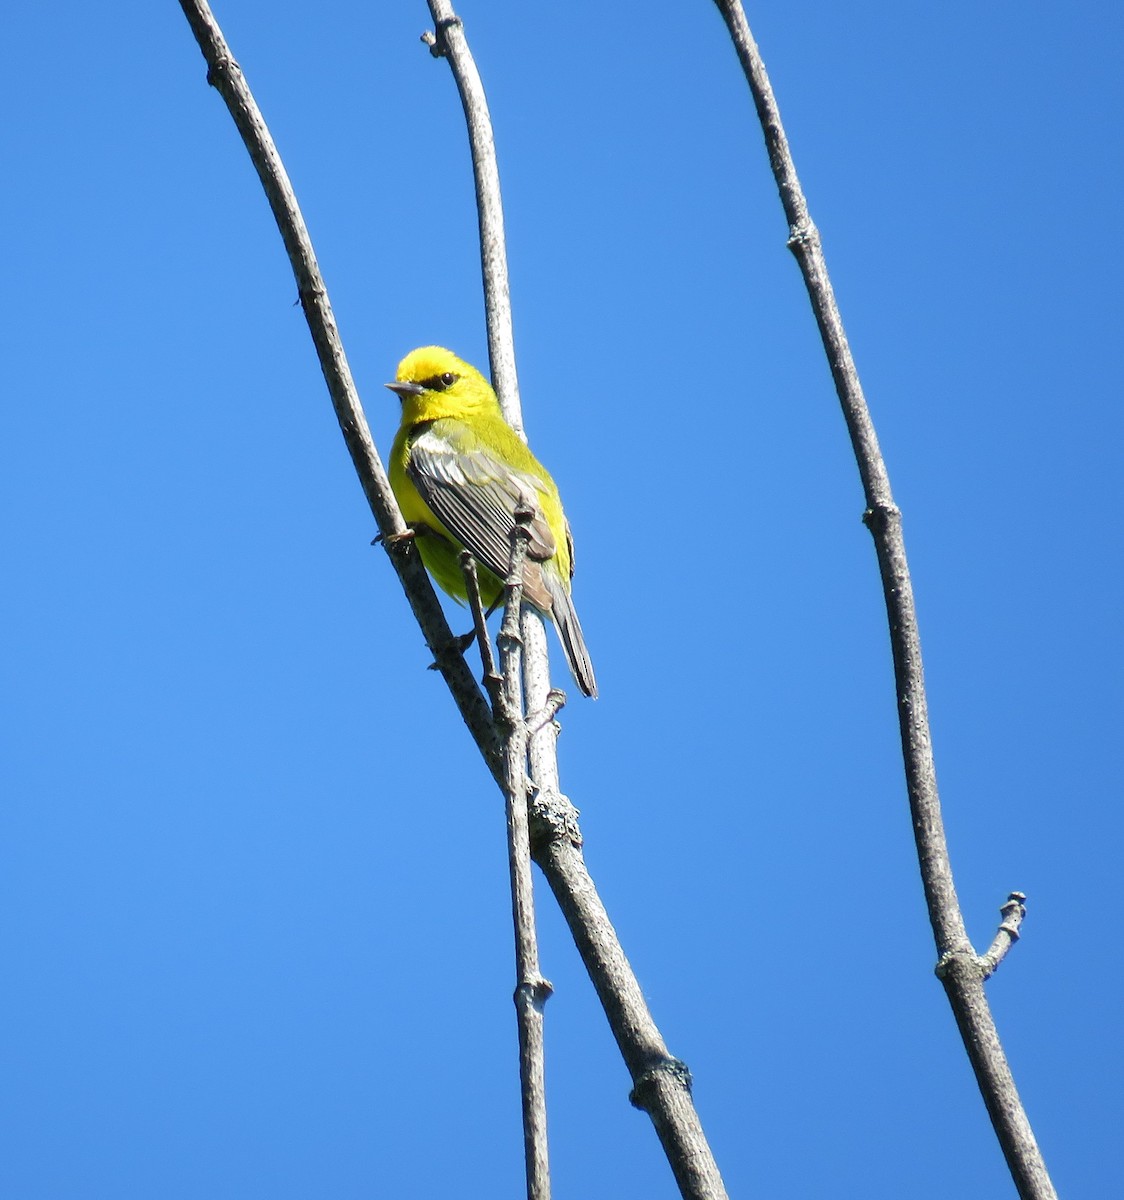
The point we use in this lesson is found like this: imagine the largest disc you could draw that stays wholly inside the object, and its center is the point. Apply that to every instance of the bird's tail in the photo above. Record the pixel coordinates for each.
(570, 633)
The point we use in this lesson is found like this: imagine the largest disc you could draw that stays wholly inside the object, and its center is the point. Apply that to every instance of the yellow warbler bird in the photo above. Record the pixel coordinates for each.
(460, 472)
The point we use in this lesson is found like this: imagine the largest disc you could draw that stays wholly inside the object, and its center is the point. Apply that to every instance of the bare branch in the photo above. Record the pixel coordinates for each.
(493, 681)
(449, 42)
(661, 1084)
(959, 968)
(531, 989)
(224, 74)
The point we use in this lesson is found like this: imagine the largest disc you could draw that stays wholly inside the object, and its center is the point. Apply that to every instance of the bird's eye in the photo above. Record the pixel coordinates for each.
(438, 383)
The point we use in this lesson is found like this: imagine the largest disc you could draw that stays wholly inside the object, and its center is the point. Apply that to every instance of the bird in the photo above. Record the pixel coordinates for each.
(460, 473)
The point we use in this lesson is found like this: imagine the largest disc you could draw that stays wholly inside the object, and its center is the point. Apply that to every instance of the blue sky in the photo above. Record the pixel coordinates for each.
(253, 909)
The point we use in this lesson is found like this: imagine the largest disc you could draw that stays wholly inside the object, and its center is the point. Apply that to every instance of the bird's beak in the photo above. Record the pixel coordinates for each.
(405, 389)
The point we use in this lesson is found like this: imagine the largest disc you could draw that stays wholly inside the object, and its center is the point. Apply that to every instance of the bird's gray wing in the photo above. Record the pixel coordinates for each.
(475, 496)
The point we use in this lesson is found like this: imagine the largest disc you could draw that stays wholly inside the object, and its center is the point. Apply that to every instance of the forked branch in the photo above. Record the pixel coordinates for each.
(961, 970)
(660, 1082)
(531, 990)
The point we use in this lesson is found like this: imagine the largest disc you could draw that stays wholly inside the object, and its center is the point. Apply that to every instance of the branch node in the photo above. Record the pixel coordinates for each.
(802, 234)
(1013, 912)
(224, 65)
(553, 818)
(952, 960)
(310, 294)
(647, 1083)
(447, 654)
(437, 41)
(509, 639)
(880, 516)
(555, 699)
(536, 991)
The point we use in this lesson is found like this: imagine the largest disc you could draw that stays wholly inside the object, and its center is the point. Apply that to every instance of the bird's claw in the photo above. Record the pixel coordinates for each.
(458, 645)
(396, 539)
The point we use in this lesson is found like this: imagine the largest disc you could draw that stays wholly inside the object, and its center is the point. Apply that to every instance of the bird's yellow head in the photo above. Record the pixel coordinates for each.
(432, 382)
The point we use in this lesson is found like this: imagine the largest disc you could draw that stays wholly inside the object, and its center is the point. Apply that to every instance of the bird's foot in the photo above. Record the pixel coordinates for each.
(396, 539)
(458, 645)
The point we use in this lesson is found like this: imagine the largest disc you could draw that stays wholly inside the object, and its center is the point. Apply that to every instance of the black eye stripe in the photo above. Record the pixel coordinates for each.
(438, 383)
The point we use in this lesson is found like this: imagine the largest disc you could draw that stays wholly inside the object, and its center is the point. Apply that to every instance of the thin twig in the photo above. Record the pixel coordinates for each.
(224, 74)
(531, 989)
(1006, 935)
(960, 969)
(448, 41)
(661, 1083)
(492, 679)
